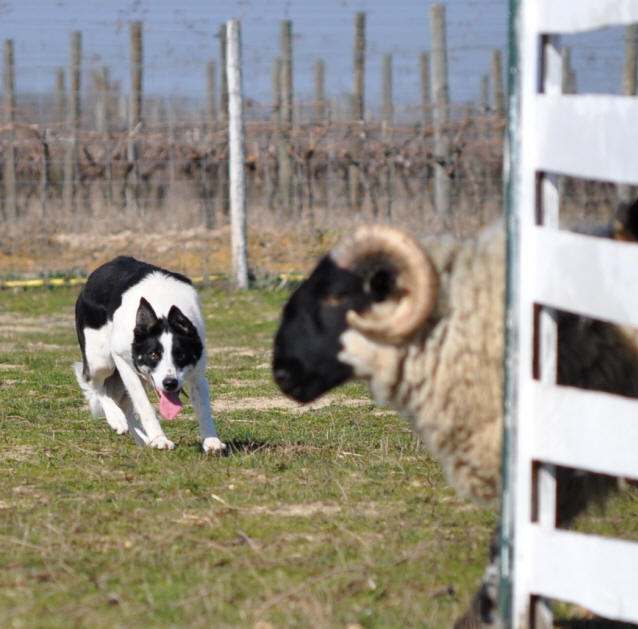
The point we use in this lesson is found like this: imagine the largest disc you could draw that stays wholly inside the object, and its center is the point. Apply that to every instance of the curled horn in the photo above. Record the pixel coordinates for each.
(414, 293)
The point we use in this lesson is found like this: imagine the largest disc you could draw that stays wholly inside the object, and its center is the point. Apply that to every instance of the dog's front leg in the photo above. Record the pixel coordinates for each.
(200, 398)
(152, 435)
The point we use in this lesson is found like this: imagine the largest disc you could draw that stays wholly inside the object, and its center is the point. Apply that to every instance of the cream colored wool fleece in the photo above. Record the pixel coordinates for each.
(447, 379)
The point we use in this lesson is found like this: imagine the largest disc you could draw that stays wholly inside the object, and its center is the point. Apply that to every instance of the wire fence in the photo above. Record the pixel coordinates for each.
(185, 163)
(91, 157)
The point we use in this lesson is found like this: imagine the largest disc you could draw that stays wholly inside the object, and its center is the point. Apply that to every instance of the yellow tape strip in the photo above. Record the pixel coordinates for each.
(76, 281)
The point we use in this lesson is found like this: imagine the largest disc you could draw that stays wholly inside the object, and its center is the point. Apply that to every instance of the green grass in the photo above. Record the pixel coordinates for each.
(325, 517)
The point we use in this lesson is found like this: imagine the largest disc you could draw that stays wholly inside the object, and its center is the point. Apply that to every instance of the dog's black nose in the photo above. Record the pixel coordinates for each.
(170, 384)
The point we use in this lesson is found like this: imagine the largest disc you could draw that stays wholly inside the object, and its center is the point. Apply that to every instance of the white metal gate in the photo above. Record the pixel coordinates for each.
(588, 136)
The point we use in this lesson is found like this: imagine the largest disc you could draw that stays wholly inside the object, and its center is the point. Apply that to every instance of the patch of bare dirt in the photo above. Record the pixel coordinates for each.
(224, 404)
(238, 351)
(17, 323)
(307, 509)
(195, 251)
(19, 453)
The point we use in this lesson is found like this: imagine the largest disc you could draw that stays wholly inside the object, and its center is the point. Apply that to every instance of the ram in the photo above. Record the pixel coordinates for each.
(422, 323)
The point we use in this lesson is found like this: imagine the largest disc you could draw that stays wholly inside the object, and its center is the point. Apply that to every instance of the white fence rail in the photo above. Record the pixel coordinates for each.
(593, 137)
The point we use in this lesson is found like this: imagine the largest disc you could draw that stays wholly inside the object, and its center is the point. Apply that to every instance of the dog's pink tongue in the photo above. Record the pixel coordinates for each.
(170, 405)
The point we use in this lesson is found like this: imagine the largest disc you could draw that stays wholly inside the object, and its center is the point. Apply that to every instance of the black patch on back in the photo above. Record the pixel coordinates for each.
(102, 293)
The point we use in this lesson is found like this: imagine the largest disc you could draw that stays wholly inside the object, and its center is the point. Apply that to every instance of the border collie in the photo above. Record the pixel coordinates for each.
(138, 325)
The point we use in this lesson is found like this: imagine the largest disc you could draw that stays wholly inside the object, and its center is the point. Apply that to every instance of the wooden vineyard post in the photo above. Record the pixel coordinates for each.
(358, 102)
(73, 117)
(286, 182)
(442, 181)
(133, 191)
(237, 156)
(10, 205)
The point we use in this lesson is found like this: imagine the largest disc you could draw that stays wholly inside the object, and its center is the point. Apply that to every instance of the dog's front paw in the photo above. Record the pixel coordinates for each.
(115, 418)
(161, 443)
(212, 445)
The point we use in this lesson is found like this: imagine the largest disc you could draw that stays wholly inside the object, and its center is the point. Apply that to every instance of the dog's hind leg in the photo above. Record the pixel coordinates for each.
(114, 399)
(102, 396)
(89, 391)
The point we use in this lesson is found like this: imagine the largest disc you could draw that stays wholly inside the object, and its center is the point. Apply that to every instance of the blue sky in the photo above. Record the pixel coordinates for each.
(180, 37)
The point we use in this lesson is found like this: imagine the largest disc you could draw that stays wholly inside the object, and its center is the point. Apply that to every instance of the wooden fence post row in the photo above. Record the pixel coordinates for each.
(588, 136)
(282, 182)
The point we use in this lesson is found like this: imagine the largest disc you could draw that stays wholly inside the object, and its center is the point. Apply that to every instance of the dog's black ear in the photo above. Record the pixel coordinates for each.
(146, 319)
(180, 323)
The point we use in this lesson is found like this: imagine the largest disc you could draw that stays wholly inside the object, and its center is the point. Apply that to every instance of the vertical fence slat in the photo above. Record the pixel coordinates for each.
(530, 505)
(625, 192)
(546, 490)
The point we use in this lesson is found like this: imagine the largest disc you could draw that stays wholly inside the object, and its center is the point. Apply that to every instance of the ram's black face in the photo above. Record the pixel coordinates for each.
(305, 362)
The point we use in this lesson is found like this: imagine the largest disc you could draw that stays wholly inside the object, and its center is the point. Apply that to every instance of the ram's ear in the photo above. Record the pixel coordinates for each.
(145, 319)
(398, 275)
(624, 224)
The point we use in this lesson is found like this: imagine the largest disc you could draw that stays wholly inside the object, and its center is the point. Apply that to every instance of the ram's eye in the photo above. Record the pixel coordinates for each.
(330, 300)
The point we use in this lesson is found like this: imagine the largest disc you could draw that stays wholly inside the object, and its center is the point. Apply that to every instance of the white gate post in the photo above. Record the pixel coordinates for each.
(236, 155)
(587, 136)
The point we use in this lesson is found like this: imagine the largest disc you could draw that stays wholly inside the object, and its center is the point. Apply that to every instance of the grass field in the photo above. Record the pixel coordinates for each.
(323, 516)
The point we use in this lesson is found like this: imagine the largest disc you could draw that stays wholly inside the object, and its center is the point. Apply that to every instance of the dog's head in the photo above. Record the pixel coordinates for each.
(164, 350)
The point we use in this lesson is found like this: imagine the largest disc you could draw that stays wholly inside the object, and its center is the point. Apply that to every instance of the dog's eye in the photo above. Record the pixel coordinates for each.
(154, 356)
(180, 356)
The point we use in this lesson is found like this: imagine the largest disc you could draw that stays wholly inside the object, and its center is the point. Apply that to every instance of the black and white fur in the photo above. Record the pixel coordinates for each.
(137, 325)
